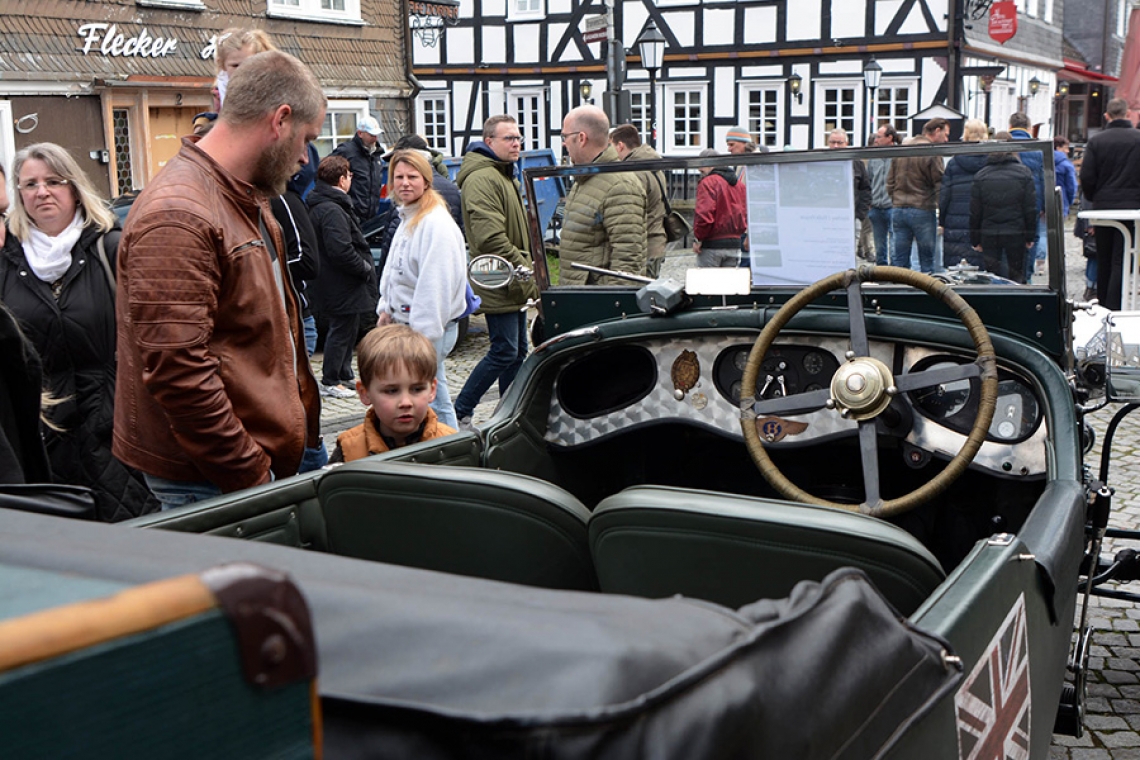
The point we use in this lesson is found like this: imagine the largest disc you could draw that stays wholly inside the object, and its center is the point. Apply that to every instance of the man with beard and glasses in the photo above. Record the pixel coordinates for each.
(214, 390)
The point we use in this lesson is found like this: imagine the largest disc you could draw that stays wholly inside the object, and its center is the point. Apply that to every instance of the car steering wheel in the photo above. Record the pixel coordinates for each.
(863, 387)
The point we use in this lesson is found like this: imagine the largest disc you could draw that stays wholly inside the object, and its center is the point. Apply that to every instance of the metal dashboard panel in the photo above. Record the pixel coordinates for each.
(703, 404)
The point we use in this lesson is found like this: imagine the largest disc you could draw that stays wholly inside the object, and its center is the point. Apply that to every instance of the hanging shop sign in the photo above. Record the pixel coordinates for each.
(1003, 20)
(111, 41)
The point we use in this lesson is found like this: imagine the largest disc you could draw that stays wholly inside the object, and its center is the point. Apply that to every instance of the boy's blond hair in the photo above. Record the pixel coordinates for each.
(385, 348)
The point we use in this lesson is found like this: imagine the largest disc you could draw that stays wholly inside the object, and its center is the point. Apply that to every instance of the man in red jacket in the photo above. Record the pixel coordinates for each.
(721, 216)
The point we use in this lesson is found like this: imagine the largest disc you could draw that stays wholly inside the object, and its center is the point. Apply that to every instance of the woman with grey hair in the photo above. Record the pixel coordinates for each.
(57, 277)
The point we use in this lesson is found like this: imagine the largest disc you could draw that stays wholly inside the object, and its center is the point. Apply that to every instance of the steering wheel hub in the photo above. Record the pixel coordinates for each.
(861, 388)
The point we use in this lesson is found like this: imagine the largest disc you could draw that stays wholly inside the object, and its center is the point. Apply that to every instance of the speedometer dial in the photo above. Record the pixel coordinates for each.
(945, 399)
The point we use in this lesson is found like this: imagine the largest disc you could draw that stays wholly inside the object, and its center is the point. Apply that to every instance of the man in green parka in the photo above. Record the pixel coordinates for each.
(495, 223)
(604, 221)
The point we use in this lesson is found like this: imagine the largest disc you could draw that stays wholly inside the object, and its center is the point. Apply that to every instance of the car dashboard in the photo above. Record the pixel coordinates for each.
(605, 391)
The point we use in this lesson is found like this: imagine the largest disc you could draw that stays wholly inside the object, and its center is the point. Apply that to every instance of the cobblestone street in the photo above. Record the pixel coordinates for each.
(1113, 720)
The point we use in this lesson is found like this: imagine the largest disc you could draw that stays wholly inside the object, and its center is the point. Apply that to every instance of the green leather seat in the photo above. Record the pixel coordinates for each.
(732, 550)
(462, 520)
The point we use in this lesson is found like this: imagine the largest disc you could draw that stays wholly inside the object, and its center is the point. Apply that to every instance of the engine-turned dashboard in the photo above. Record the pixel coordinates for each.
(603, 392)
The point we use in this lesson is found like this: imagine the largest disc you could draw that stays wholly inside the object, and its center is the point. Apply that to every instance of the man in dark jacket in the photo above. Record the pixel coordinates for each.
(1110, 178)
(1003, 215)
(1019, 130)
(496, 224)
(720, 218)
(364, 153)
(347, 285)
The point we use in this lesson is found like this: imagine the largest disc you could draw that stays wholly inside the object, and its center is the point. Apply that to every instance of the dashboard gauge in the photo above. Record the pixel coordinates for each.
(785, 371)
(1016, 414)
(813, 363)
(944, 400)
(740, 360)
(735, 391)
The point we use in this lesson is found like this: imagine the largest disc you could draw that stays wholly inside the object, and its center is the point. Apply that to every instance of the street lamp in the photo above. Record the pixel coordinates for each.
(586, 90)
(872, 73)
(651, 43)
(1034, 85)
(1063, 89)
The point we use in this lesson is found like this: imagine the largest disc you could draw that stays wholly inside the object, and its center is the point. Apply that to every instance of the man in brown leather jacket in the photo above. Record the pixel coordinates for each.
(214, 392)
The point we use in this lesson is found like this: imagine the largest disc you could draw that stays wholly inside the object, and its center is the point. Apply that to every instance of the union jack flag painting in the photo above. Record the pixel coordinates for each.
(993, 704)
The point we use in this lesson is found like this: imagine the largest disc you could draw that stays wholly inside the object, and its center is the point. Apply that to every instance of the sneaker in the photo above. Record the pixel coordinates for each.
(465, 423)
(336, 391)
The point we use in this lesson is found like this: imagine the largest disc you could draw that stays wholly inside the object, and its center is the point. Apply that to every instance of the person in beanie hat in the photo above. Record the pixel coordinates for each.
(739, 141)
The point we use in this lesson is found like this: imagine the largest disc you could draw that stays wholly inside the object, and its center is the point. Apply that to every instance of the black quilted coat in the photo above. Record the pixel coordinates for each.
(74, 334)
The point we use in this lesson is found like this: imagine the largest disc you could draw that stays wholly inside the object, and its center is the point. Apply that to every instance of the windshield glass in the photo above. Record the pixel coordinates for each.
(976, 214)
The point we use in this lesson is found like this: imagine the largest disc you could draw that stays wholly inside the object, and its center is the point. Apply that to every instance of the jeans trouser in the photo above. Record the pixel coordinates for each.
(310, 324)
(339, 344)
(502, 362)
(442, 404)
(921, 227)
(880, 219)
(1040, 247)
(718, 257)
(179, 493)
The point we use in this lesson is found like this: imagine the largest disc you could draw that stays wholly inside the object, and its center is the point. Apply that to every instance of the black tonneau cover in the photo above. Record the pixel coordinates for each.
(421, 664)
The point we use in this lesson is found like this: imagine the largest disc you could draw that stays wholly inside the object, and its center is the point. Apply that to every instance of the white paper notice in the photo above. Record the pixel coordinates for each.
(801, 221)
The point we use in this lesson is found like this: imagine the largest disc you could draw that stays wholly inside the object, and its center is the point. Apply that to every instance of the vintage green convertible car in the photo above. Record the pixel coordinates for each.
(838, 512)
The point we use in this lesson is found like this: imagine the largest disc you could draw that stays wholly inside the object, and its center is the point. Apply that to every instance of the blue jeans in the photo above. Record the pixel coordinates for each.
(310, 323)
(339, 344)
(314, 459)
(880, 219)
(502, 362)
(179, 493)
(442, 404)
(919, 226)
(1040, 247)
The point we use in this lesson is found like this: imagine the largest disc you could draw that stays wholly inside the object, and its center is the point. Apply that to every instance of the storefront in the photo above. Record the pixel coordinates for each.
(120, 93)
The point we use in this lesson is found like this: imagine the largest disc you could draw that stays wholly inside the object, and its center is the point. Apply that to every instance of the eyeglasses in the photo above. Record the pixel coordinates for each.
(511, 138)
(50, 184)
(575, 132)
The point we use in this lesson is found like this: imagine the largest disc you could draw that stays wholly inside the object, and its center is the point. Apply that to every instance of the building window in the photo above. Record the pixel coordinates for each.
(526, 107)
(763, 115)
(124, 167)
(839, 111)
(1122, 18)
(525, 10)
(340, 124)
(334, 11)
(433, 121)
(639, 112)
(1047, 13)
(687, 122)
(892, 105)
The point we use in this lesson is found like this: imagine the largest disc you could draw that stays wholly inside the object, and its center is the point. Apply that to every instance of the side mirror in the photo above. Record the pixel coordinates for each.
(492, 272)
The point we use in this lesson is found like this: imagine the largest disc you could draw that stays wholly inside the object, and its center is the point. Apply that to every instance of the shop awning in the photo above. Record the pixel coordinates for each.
(1076, 71)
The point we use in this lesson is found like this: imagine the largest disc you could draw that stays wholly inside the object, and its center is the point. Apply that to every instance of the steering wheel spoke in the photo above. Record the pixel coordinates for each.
(864, 386)
(869, 453)
(800, 403)
(913, 381)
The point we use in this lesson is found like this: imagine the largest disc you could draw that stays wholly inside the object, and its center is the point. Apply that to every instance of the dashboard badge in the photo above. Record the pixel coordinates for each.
(685, 373)
(772, 429)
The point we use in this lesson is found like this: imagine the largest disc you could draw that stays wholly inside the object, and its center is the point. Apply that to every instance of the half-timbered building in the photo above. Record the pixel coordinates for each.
(118, 82)
(788, 70)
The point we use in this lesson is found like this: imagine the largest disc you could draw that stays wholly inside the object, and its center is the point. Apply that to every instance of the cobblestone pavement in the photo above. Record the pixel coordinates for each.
(1113, 708)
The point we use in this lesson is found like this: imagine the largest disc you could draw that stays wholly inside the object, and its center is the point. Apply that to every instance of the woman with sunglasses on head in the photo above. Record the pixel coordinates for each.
(424, 282)
(57, 277)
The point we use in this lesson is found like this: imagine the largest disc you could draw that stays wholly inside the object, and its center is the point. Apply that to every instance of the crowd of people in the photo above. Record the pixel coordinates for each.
(156, 380)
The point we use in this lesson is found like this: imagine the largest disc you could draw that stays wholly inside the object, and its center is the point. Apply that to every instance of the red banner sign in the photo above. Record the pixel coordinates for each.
(1003, 20)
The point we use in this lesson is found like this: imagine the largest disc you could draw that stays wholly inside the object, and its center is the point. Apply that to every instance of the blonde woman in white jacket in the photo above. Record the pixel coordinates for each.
(424, 282)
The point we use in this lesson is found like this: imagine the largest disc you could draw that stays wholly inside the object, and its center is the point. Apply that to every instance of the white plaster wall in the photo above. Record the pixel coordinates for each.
(760, 25)
(848, 18)
(681, 24)
(526, 39)
(494, 44)
(804, 20)
(724, 93)
(719, 26)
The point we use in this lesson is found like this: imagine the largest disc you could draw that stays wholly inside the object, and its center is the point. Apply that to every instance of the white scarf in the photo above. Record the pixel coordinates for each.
(50, 257)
